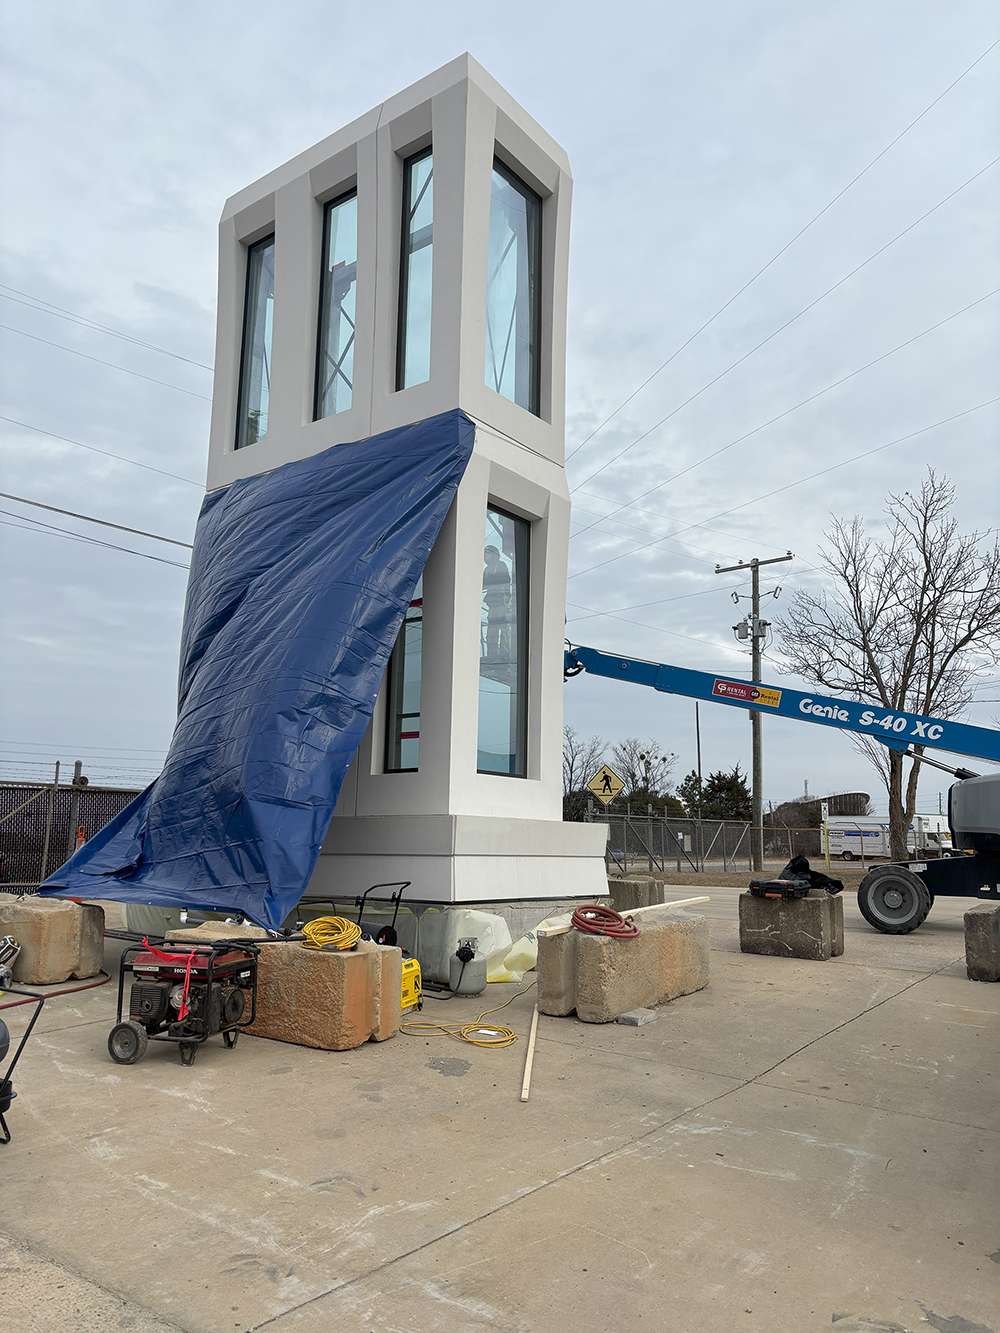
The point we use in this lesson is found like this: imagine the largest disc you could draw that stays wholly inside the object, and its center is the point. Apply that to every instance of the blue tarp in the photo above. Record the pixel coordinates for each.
(299, 581)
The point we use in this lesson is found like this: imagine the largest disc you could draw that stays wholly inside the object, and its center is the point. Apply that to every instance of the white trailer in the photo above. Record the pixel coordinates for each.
(866, 837)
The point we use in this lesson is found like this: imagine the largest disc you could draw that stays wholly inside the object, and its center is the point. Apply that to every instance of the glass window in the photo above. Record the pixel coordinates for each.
(402, 729)
(255, 360)
(337, 306)
(413, 338)
(503, 646)
(513, 290)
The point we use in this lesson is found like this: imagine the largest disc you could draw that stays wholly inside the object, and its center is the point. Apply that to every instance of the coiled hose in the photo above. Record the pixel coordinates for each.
(330, 932)
(593, 919)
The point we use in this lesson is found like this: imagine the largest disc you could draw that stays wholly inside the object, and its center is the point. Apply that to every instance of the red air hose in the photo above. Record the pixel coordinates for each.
(593, 919)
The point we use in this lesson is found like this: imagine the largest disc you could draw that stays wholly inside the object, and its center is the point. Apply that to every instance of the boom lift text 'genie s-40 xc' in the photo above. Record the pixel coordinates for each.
(893, 898)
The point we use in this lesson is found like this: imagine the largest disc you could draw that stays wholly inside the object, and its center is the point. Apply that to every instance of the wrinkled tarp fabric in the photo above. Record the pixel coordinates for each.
(299, 581)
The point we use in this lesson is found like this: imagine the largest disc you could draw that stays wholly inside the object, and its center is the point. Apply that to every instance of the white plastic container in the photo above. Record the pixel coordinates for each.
(440, 931)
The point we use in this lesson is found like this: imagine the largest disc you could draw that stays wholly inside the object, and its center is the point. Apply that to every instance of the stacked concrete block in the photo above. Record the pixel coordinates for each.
(58, 939)
(628, 894)
(982, 942)
(332, 1000)
(811, 927)
(601, 978)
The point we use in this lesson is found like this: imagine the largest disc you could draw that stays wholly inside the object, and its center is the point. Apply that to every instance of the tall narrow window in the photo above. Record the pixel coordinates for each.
(337, 308)
(503, 646)
(513, 283)
(402, 729)
(255, 359)
(413, 336)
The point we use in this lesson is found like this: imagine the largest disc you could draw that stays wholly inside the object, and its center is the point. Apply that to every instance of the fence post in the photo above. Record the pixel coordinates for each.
(725, 861)
(48, 823)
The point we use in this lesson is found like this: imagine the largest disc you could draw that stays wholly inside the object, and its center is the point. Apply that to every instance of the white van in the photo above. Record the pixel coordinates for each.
(866, 837)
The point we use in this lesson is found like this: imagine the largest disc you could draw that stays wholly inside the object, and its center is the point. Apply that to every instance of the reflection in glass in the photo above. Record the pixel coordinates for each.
(503, 646)
(513, 290)
(402, 730)
(413, 337)
(255, 359)
(337, 307)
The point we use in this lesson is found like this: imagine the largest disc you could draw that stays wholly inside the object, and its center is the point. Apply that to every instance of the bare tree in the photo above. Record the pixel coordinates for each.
(645, 769)
(911, 622)
(582, 757)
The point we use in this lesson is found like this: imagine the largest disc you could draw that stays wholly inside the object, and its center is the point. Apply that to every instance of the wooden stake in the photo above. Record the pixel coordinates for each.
(529, 1058)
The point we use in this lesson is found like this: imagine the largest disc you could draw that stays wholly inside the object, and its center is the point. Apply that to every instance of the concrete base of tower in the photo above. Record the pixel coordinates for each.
(463, 858)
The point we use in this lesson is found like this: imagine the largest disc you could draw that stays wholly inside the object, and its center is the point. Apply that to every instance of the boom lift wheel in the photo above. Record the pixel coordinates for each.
(893, 899)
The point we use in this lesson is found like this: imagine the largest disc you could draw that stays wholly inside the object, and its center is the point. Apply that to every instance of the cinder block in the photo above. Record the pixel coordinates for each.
(982, 942)
(209, 931)
(333, 1000)
(637, 1018)
(601, 977)
(811, 927)
(627, 894)
(58, 939)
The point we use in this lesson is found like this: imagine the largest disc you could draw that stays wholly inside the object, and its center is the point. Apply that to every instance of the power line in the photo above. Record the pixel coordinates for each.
(106, 452)
(50, 530)
(74, 317)
(781, 328)
(867, 453)
(9, 328)
(103, 522)
(104, 749)
(787, 412)
(788, 244)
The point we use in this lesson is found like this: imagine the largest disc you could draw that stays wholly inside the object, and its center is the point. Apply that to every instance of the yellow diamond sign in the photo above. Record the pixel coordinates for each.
(606, 784)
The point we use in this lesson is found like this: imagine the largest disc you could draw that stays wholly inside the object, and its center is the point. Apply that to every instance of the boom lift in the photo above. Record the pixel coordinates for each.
(893, 898)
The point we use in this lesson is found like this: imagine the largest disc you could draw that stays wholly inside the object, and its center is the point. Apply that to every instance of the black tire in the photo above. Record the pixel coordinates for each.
(847, 856)
(127, 1042)
(188, 1050)
(894, 900)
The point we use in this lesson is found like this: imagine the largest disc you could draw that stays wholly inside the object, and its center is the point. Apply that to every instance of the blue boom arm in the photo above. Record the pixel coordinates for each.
(896, 729)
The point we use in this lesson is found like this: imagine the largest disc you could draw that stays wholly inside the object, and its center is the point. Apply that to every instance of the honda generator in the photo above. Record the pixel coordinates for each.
(185, 995)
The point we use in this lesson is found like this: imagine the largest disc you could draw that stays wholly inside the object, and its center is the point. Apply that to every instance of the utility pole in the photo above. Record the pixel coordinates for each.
(700, 854)
(756, 632)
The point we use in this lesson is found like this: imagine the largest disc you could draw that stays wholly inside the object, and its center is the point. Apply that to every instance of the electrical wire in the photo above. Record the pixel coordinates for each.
(330, 932)
(716, 453)
(102, 522)
(492, 1037)
(166, 384)
(66, 439)
(74, 317)
(787, 246)
(50, 530)
(788, 322)
(778, 490)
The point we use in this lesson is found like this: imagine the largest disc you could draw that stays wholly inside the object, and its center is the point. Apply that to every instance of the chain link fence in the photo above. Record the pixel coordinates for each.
(42, 823)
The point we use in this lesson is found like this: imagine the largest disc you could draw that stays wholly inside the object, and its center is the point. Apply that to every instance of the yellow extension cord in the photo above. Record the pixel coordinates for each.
(331, 932)
(494, 1037)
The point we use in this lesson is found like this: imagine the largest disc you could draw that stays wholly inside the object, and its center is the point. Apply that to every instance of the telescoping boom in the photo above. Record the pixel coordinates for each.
(891, 726)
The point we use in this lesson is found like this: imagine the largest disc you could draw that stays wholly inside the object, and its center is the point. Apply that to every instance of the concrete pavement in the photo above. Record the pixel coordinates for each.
(799, 1146)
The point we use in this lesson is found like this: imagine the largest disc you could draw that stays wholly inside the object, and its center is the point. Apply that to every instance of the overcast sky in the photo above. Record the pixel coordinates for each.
(702, 137)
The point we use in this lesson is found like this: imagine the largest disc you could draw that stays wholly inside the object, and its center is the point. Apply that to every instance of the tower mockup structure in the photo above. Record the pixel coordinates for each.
(412, 263)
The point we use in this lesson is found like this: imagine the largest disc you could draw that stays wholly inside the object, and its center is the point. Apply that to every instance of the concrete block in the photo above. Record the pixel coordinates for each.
(627, 894)
(637, 1018)
(811, 927)
(209, 931)
(58, 939)
(982, 942)
(601, 977)
(330, 1000)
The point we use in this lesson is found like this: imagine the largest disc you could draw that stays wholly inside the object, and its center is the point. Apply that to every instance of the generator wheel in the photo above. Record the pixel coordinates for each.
(127, 1042)
(894, 900)
(231, 1037)
(188, 1050)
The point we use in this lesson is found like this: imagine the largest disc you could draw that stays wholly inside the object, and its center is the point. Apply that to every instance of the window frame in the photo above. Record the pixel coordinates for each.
(404, 263)
(240, 443)
(532, 197)
(523, 630)
(395, 679)
(329, 205)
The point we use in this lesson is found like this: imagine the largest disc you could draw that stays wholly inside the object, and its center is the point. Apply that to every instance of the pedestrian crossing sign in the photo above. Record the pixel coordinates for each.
(606, 784)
